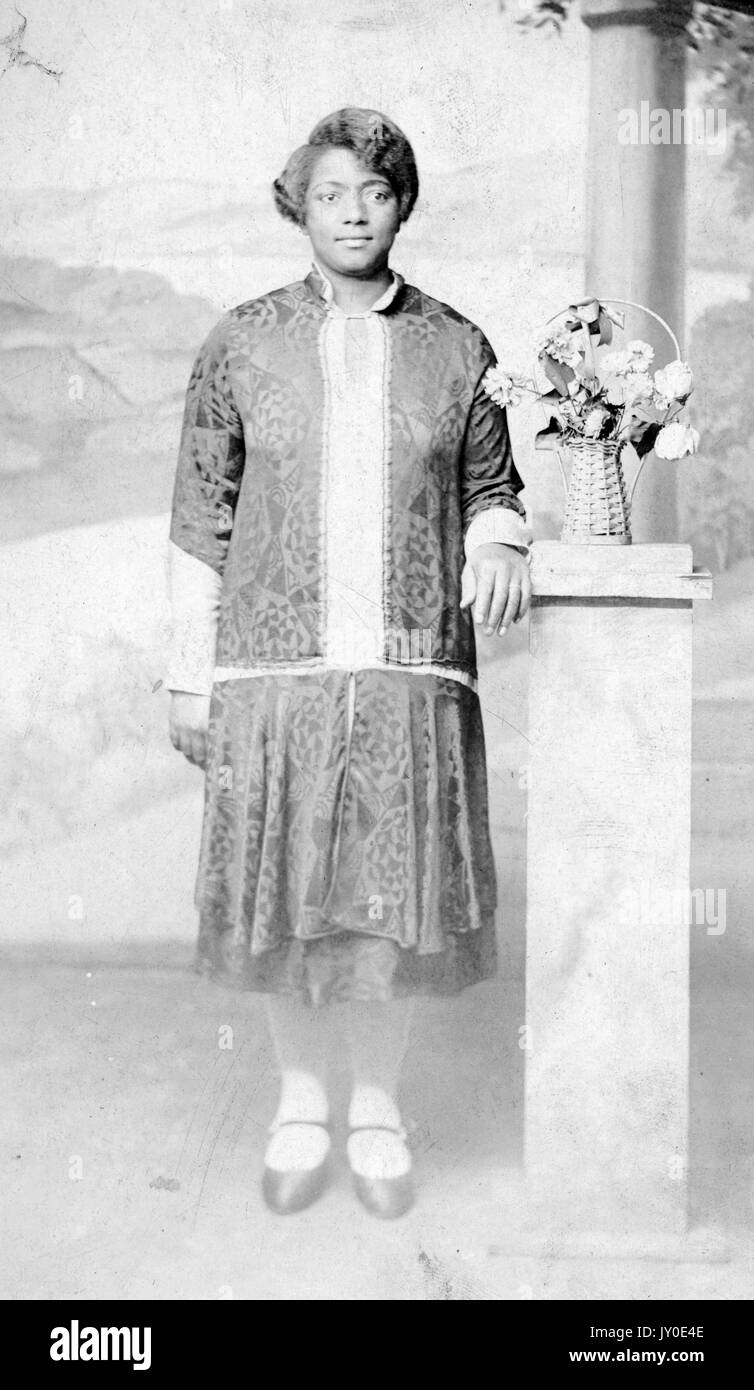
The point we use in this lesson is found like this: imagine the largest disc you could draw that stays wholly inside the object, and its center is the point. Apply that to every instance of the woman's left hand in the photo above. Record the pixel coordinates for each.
(496, 580)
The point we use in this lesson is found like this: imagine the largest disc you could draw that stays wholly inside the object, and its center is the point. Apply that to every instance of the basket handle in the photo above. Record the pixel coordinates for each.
(563, 475)
(630, 304)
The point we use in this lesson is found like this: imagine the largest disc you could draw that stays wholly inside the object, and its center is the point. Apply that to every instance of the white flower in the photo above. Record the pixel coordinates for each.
(560, 345)
(674, 382)
(676, 440)
(629, 389)
(502, 387)
(615, 364)
(594, 420)
(641, 354)
(634, 360)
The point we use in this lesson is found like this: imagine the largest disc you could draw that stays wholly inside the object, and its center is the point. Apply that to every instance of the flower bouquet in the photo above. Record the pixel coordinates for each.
(596, 407)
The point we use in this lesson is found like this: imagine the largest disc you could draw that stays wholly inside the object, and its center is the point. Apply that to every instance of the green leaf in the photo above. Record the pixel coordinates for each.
(606, 329)
(646, 440)
(557, 372)
(549, 437)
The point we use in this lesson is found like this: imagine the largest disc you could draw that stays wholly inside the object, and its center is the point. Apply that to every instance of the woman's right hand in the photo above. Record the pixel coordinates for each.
(189, 725)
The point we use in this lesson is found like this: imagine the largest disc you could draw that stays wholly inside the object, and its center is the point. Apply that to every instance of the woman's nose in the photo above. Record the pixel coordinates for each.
(354, 211)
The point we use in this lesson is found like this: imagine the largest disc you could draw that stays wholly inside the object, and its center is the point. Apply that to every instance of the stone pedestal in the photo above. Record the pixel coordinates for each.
(608, 862)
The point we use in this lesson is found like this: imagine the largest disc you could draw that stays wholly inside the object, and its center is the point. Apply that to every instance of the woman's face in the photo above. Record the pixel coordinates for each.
(351, 214)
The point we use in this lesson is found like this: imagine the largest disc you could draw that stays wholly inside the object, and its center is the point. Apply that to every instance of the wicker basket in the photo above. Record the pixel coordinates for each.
(597, 509)
(598, 506)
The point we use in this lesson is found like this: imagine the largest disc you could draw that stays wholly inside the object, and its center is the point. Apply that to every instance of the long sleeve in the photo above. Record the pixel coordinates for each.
(500, 524)
(210, 458)
(208, 477)
(490, 483)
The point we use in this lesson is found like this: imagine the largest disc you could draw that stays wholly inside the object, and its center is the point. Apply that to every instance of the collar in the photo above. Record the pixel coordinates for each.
(321, 287)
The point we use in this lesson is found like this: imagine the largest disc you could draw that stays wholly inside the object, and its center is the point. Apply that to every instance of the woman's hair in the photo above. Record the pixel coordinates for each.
(380, 145)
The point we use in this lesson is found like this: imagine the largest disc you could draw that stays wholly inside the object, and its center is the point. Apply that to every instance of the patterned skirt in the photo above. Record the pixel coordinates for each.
(345, 849)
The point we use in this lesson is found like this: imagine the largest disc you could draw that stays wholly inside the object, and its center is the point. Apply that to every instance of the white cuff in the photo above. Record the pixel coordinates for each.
(194, 590)
(501, 525)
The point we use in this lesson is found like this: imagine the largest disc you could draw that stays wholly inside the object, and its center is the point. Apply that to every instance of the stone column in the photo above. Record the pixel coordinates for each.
(608, 862)
(636, 193)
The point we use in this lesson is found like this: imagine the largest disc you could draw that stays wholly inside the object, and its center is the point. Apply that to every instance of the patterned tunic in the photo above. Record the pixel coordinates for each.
(334, 468)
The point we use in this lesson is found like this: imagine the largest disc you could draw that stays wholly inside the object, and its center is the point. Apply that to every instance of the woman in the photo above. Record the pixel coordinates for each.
(339, 460)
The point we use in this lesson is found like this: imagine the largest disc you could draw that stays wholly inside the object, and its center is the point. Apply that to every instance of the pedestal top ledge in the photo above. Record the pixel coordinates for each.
(644, 571)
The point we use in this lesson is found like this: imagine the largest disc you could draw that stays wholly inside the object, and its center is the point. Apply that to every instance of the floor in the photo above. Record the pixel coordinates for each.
(134, 1171)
